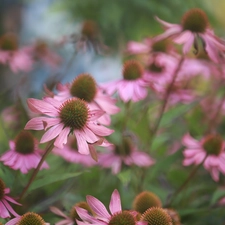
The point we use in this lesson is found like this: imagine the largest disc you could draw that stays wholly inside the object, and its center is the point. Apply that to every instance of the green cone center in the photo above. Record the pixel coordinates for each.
(146, 200)
(84, 87)
(195, 20)
(74, 113)
(156, 216)
(213, 145)
(122, 218)
(24, 143)
(132, 70)
(31, 219)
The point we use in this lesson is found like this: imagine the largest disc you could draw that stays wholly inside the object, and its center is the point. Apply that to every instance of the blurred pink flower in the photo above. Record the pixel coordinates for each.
(127, 154)
(66, 221)
(194, 27)
(71, 154)
(212, 147)
(5, 208)
(135, 47)
(23, 154)
(70, 117)
(95, 97)
(132, 87)
(102, 216)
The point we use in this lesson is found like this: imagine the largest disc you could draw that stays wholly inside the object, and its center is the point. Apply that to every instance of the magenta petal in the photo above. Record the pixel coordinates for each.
(40, 106)
(52, 133)
(190, 142)
(115, 202)
(95, 114)
(13, 221)
(81, 143)
(62, 138)
(11, 210)
(98, 208)
(99, 130)
(3, 211)
(35, 124)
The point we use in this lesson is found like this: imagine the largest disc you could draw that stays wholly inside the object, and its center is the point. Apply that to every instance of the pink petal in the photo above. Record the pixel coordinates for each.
(190, 142)
(13, 221)
(98, 208)
(35, 124)
(62, 138)
(115, 203)
(99, 130)
(52, 133)
(81, 142)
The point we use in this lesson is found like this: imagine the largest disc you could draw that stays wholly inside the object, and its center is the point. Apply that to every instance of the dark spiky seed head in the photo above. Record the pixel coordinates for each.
(213, 144)
(146, 200)
(74, 113)
(122, 218)
(31, 218)
(132, 70)
(195, 20)
(25, 143)
(156, 216)
(84, 87)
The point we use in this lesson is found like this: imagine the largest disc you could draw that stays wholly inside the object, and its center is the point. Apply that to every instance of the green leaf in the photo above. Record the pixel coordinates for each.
(52, 179)
(217, 195)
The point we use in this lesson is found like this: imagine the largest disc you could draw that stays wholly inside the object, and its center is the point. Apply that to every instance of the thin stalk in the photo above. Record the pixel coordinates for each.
(164, 104)
(191, 175)
(35, 172)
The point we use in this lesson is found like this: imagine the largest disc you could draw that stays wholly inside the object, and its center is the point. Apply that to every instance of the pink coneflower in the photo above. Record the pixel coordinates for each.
(70, 117)
(5, 208)
(194, 27)
(41, 51)
(103, 217)
(124, 154)
(27, 218)
(85, 88)
(212, 147)
(70, 152)
(133, 86)
(73, 216)
(17, 59)
(23, 154)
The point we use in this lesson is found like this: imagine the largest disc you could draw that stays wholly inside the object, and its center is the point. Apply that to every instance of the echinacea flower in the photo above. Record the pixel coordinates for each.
(133, 86)
(85, 88)
(210, 147)
(103, 217)
(29, 218)
(124, 154)
(156, 215)
(17, 59)
(146, 200)
(5, 208)
(194, 27)
(70, 117)
(23, 154)
(73, 216)
(70, 152)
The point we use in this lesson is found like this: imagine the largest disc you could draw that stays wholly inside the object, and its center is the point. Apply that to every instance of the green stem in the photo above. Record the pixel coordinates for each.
(191, 175)
(164, 104)
(35, 172)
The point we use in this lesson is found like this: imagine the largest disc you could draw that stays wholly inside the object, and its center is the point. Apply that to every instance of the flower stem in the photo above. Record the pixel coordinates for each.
(164, 104)
(35, 172)
(191, 175)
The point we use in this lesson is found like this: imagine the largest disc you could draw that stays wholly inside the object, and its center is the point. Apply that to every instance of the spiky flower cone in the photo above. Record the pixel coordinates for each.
(31, 218)
(146, 200)
(156, 216)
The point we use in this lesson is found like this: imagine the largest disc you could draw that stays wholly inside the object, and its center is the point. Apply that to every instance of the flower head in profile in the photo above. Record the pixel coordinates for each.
(84, 87)
(133, 86)
(62, 119)
(23, 154)
(70, 152)
(126, 154)
(29, 218)
(73, 216)
(210, 147)
(103, 217)
(194, 29)
(5, 208)
(10, 54)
